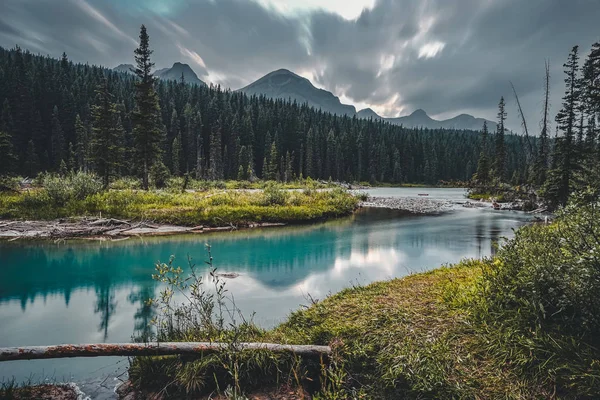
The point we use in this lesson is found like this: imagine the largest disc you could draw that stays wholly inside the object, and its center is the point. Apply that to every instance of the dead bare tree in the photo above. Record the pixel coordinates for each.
(523, 122)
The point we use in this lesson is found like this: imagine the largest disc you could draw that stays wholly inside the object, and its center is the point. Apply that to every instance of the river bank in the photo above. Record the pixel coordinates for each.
(105, 229)
(121, 213)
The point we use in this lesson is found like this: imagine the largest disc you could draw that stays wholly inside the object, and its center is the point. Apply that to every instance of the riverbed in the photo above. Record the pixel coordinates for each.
(82, 292)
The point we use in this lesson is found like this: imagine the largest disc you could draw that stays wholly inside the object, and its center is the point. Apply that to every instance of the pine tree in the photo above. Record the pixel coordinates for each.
(147, 131)
(590, 100)
(500, 151)
(32, 160)
(174, 133)
(272, 172)
(176, 152)
(72, 158)
(106, 135)
(559, 183)
(483, 165)
(81, 148)
(310, 157)
(288, 174)
(6, 121)
(7, 157)
(215, 155)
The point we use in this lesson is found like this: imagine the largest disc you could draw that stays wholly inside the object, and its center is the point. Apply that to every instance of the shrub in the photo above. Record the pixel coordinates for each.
(84, 185)
(273, 195)
(76, 186)
(551, 274)
(538, 301)
(57, 188)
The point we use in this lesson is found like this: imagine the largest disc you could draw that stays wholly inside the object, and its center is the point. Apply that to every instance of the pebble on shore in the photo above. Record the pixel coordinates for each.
(411, 204)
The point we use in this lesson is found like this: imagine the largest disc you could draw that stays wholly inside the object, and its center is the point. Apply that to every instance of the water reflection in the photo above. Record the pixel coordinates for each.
(94, 292)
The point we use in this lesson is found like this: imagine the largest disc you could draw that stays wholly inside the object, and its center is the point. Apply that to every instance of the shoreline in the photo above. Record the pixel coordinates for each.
(412, 205)
(106, 229)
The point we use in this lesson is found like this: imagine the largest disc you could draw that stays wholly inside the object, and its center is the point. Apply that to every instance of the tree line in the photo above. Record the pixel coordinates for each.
(570, 161)
(58, 116)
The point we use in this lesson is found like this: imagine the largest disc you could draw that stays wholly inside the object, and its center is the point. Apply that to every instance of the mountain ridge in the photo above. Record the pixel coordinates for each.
(168, 74)
(285, 84)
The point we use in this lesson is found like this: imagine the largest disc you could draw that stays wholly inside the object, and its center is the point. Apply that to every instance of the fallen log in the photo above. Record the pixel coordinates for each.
(151, 349)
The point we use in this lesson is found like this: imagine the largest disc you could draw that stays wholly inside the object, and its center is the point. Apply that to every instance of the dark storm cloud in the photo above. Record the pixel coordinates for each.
(443, 56)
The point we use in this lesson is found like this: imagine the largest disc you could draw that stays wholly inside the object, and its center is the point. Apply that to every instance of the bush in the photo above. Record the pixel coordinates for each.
(551, 274)
(538, 302)
(9, 183)
(84, 185)
(75, 186)
(273, 195)
(57, 188)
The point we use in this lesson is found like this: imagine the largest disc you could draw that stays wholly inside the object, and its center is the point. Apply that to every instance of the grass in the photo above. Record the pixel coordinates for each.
(214, 207)
(410, 338)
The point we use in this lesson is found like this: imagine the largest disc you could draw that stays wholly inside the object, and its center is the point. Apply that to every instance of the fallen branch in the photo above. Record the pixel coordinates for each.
(151, 349)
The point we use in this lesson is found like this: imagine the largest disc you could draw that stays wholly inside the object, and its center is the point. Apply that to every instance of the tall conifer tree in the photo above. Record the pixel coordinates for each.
(147, 132)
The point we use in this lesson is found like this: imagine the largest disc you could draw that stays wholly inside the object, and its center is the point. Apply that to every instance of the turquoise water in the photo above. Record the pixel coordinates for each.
(80, 291)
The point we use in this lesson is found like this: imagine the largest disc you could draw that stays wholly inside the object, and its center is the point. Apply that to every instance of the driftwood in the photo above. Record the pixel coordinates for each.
(151, 349)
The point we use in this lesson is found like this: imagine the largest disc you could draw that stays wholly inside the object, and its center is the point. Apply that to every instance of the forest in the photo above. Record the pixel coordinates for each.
(58, 116)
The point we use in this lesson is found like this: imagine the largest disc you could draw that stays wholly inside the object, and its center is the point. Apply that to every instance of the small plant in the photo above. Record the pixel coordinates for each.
(195, 307)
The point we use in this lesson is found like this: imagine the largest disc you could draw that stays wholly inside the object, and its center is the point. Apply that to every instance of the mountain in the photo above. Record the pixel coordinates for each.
(126, 68)
(420, 119)
(174, 74)
(284, 84)
(368, 113)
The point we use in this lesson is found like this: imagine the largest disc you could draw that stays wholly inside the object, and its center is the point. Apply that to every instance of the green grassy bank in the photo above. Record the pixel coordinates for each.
(213, 206)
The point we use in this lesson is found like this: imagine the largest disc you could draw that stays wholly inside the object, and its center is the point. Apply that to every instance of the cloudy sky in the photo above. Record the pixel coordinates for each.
(395, 56)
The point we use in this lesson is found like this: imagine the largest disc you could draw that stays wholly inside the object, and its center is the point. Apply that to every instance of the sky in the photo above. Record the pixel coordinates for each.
(395, 56)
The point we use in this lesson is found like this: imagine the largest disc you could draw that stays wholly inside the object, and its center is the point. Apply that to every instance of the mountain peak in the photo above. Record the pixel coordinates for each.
(367, 113)
(419, 113)
(126, 68)
(174, 74)
(287, 85)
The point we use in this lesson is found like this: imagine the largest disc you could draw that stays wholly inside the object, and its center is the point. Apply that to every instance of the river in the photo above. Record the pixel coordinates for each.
(82, 291)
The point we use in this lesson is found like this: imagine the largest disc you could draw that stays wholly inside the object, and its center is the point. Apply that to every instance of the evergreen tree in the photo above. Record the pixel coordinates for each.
(7, 158)
(72, 158)
(32, 161)
(558, 185)
(288, 173)
(500, 151)
(272, 171)
(106, 135)
(81, 148)
(483, 165)
(57, 140)
(6, 121)
(215, 155)
(176, 151)
(147, 131)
